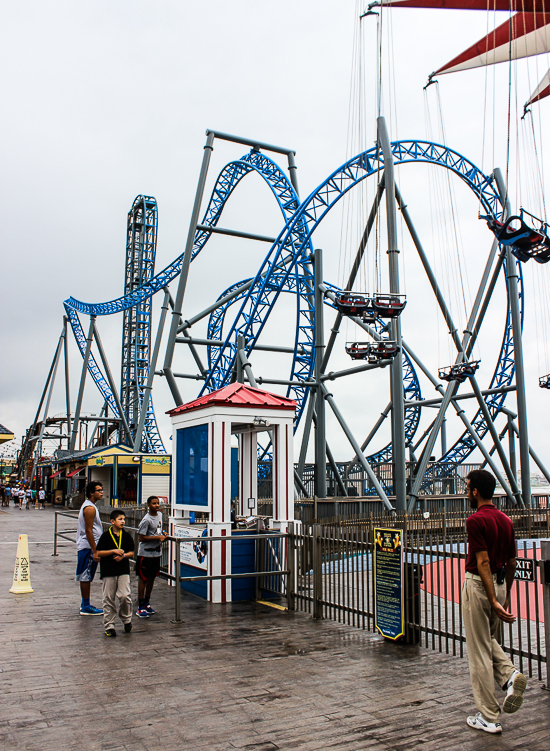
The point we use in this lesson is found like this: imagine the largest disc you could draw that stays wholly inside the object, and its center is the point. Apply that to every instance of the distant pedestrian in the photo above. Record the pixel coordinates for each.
(7, 495)
(28, 494)
(42, 497)
(114, 548)
(21, 496)
(490, 570)
(88, 531)
(151, 538)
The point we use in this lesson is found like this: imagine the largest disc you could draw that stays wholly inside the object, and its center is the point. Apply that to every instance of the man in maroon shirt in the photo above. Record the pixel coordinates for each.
(490, 569)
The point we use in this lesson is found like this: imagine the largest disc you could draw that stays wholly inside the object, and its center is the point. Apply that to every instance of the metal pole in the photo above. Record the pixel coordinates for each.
(177, 574)
(307, 430)
(469, 427)
(38, 445)
(112, 383)
(369, 438)
(67, 381)
(496, 439)
(396, 368)
(513, 278)
(291, 567)
(511, 446)
(55, 515)
(184, 273)
(444, 437)
(355, 268)
(76, 420)
(364, 463)
(247, 368)
(320, 426)
(238, 361)
(151, 374)
(535, 456)
(317, 573)
(428, 269)
(293, 171)
(94, 431)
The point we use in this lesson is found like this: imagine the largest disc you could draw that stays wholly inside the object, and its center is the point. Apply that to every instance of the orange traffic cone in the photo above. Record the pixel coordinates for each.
(22, 574)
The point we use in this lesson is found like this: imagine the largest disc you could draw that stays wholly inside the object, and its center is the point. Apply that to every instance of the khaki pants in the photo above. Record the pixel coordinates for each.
(113, 587)
(487, 660)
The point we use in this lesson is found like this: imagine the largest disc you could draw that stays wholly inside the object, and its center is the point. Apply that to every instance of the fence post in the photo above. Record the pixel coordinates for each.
(177, 574)
(55, 533)
(545, 576)
(291, 566)
(317, 573)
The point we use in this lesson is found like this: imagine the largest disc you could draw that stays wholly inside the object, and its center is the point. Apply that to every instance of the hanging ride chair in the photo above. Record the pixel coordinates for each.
(353, 304)
(373, 352)
(544, 382)
(389, 306)
(525, 241)
(459, 372)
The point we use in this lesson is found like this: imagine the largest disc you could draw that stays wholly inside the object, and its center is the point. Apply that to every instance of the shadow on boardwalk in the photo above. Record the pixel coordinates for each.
(240, 676)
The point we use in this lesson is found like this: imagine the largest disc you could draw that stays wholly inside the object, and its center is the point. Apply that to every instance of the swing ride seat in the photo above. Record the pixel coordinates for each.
(389, 306)
(372, 351)
(351, 304)
(544, 382)
(459, 372)
(525, 242)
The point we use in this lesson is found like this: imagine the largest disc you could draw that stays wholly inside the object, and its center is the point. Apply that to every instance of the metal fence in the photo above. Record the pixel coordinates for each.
(335, 580)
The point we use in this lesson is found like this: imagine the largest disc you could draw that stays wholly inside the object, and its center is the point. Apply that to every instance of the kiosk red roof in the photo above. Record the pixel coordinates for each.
(237, 395)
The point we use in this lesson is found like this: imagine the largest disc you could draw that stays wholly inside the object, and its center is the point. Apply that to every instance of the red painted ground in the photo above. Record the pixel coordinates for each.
(436, 586)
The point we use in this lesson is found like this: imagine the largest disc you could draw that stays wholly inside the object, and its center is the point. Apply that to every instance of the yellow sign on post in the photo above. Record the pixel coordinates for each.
(22, 573)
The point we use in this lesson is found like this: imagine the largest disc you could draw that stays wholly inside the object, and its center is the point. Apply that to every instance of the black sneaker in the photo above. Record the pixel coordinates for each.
(127, 628)
(110, 632)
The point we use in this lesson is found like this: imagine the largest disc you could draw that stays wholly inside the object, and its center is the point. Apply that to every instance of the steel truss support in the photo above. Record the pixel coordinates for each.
(53, 372)
(111, 381)
(152, 366)
(368, 439)
(535, 456)
(184, 273)
(513, 291)
(349, 435)
(320, 425)
(85, 361)
(396, 371)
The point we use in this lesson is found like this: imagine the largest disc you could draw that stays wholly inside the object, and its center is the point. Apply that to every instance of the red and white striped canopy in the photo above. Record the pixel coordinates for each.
(542, 90)
(523, 35)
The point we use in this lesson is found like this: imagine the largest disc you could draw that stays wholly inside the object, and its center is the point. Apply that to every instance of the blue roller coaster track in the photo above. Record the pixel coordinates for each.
(286, 268)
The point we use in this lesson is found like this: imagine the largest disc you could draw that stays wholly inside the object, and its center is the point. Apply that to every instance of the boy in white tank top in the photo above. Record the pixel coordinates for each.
(88, 531)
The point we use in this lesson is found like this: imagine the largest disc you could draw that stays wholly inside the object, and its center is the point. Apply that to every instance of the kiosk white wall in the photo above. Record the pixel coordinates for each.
(201, 439)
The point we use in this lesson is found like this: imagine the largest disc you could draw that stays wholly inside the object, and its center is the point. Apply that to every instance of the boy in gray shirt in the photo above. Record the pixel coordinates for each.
(151, 538)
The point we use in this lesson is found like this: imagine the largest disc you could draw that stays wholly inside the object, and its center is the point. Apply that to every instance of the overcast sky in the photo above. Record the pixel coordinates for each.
(103, 101)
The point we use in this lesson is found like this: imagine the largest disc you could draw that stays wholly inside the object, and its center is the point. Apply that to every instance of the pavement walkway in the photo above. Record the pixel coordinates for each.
(239, 676)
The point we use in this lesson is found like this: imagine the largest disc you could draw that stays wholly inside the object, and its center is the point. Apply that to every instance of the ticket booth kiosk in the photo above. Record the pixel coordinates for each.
(201, 481)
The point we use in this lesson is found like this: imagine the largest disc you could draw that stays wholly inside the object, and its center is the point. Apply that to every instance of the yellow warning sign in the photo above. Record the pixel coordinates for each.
(22, 573)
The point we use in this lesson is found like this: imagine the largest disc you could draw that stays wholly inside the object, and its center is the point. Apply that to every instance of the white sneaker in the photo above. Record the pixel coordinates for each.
(479, 722)
(514, 692)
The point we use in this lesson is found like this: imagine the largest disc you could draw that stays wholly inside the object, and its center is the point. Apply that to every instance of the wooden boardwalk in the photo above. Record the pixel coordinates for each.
(240, 676)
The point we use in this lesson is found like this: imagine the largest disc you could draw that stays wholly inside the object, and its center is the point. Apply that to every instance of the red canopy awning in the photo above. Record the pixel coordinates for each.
(56, 474)
(75, 472)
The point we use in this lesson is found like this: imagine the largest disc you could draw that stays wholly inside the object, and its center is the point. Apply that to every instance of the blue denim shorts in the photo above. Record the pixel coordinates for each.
(85, 566)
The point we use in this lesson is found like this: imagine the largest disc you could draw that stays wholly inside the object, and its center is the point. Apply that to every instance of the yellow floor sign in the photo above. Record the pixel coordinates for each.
(22, 573)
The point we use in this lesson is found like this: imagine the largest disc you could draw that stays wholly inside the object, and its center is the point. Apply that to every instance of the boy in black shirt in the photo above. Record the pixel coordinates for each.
(114, 547)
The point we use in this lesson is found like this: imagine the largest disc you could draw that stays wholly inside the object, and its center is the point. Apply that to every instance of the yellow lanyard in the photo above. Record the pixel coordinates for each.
(119, 546)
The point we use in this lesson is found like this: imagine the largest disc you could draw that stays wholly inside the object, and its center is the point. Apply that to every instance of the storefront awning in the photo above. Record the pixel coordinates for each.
(56, 474)
(74, 472)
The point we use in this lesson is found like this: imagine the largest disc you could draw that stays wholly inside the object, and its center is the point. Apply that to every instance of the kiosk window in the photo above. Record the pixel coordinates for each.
(192, 475)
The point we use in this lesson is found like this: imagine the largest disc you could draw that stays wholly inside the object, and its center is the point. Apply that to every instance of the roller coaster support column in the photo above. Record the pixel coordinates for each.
(85, 362)
(320, 427)
(184, 273)
(513, 291)
(38, 444)
(396, 368)
(67, 381)
(362, 461)
(511, 445)
(152, 366)
(535, 456)
(112, 384)
(496, 440)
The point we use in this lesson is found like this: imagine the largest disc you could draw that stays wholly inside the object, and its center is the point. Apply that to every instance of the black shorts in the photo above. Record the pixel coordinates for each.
(147, 567)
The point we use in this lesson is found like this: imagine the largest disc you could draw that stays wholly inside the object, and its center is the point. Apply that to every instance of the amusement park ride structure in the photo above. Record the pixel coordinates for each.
(293, 266)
